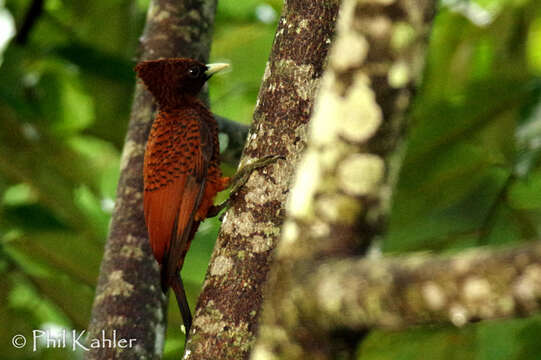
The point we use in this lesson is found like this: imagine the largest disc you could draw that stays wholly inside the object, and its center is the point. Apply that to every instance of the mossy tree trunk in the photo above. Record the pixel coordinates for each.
(226, 315)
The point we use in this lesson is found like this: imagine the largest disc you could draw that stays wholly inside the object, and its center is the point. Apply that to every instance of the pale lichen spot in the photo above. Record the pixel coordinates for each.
(458, 315)
(262, 190)
(349, 51)
(355, 116)
(460, 265)
(307, 87)
(402, 36)
(261, 244)
(116, 321)
(131, 251)
(378, 2)
(267, 72)
(377, 27)
(131, 149)
(300, 202)
(338, 208)
(319, 229)
(323, 128)
(361, 174)
(331, 294)
(290, 233)
(303, 25)
(158, 37)
(152, 10)
(162, 15)
(144, 115)
(527, 285)
(221, 266)
(244, 224)
(476, 289)
(433, 295)
(116, 286)
(505, 304)
(130, 239)
(259, 190)
(159, 340)
(360, 115)
(302, 77)
(399, 74)
(261, 352)
(210, 325)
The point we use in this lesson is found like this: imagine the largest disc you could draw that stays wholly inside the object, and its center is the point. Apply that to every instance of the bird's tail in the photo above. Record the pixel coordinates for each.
(182, 301)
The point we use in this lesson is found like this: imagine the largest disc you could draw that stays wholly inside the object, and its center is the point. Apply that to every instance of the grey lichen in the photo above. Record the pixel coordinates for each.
(221, 265)
(361, 174)
(116, 286)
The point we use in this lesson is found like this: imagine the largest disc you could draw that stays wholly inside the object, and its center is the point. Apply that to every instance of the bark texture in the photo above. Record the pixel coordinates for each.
(225, 317)
(341, 195)
(395, 293)
(128, 296)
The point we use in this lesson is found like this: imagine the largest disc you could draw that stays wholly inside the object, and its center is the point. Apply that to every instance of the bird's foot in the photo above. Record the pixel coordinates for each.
(239, 179)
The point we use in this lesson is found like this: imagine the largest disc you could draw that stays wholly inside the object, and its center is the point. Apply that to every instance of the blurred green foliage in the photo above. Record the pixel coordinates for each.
(471, 173)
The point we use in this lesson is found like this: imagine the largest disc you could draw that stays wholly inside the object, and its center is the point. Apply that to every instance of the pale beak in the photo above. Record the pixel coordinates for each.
(214, 68)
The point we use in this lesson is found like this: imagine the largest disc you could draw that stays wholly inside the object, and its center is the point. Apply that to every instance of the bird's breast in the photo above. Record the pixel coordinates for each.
(174, 143)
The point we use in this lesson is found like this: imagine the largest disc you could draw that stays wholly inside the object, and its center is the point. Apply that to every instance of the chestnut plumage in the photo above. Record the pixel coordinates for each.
(181, 166)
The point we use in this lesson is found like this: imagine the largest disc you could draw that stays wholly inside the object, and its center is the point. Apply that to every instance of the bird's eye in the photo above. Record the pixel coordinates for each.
(194, 72)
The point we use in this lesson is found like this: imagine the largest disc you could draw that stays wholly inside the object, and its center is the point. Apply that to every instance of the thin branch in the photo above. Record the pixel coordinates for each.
(32, 15)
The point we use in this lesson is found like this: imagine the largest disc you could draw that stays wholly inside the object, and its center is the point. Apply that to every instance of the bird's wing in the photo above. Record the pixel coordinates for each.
(171, 206)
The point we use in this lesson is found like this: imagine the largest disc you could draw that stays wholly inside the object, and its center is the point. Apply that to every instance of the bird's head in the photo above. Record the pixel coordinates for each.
(171, 80)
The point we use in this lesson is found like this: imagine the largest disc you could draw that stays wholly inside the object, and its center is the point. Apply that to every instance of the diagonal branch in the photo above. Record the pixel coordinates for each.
(32, 16)
(225, 317)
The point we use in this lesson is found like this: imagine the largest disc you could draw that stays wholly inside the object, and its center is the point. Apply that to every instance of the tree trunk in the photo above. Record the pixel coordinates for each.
(226, 315)
(340, 200)
(128, 297)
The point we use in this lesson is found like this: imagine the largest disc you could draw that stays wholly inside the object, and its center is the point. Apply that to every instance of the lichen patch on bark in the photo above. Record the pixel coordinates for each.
(116, 286)
(222, 265)
(252, 225)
